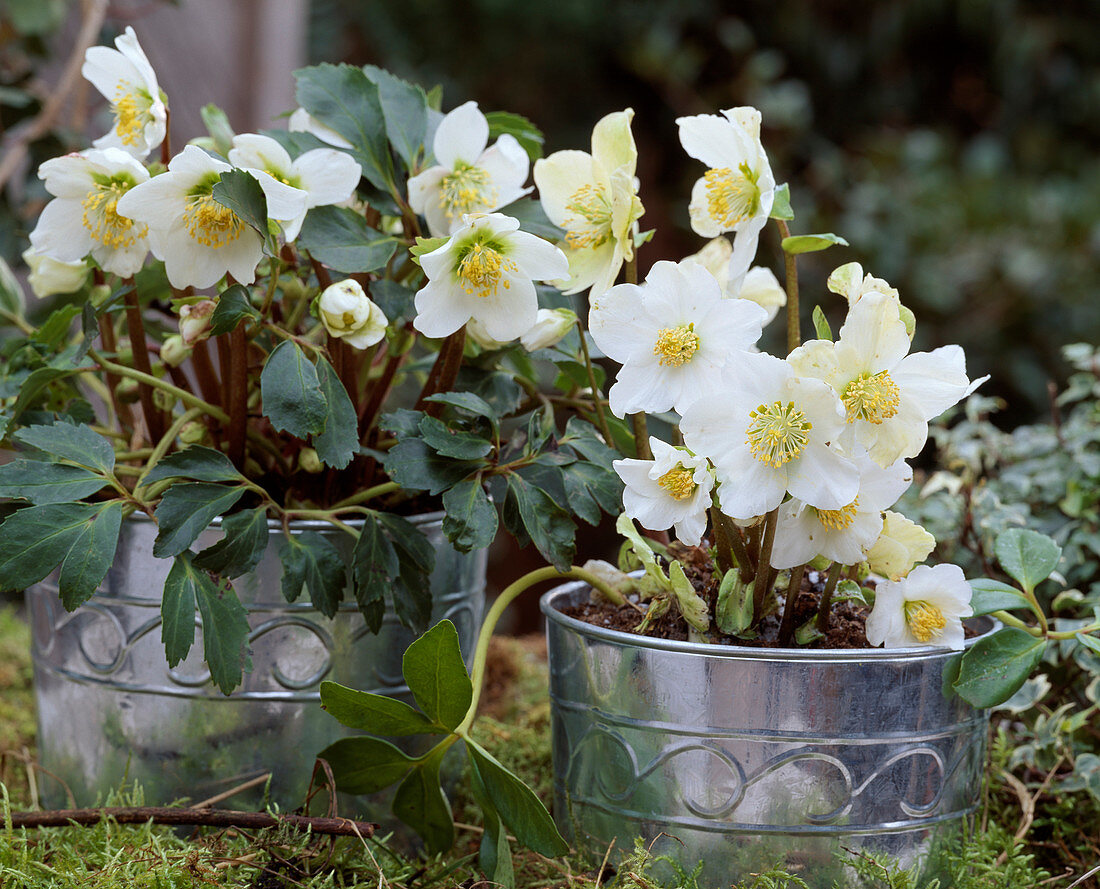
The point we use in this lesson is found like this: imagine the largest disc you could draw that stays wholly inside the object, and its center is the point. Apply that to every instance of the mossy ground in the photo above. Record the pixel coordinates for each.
(516, 730)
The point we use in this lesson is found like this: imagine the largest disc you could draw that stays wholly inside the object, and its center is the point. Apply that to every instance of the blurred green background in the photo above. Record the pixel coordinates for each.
(954, 144)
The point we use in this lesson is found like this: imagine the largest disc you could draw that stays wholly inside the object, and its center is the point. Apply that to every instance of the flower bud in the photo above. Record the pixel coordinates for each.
(164, 400)
(193, 432)
(762, 287)
(195, 320)
(127, 391)
(174, 351)
(476, 331)
(49, 276)
(549, 327)
(99, 295)
(349, 314)
(309, 461)
(901, 545)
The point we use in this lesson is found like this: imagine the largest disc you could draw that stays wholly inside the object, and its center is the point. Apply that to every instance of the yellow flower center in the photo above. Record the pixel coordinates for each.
(482, 270)
(591, 226)
(925, 620)
(871, 397)
(675, 346)
(679, 482)
(777, 433)
(209, 223)
(101, 217)
(464, 190)
(839, 519)
(732, 195)
(130, 115)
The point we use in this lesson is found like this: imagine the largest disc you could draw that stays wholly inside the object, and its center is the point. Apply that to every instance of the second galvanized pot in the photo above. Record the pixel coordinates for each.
(747, 757)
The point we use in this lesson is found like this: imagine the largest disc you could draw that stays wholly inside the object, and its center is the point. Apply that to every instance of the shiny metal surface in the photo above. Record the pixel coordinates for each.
(749, 757)
(109, 707)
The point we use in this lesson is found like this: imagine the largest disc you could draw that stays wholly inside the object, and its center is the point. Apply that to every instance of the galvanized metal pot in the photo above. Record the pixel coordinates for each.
(109, 707)
(748, 757)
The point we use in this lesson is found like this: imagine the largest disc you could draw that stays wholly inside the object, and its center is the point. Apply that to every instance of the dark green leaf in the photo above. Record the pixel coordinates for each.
(457, 443)
(394, 300)
(233, 307)
(56, 327)
(91, 555)
(41, 482)
(78, 444)
(372, 713)
(196, 462)
(405, 109)
(241, 193)
(781, 204)
(526, 133)
(365, 765)
(412, 592)
(470, 521)
(374, 565)
(343, 99)
(401, 422)
(466, 401)
(342, 240)
(1027, 556)
(997, 665)
(437, 677)
(224, 634)
(312, 560)
(421, 804)
(340, 440)
(177, 607)
(35, 540)
(821, 325)
(532, 218)
(32, 388)
(184, 512)
(992, 595)
(242, 547)
(547, 524)
(519, 808)
(582, 437)
(811, 243)
(291, 392)
(598, 485)
(415, 466)
(494, 853)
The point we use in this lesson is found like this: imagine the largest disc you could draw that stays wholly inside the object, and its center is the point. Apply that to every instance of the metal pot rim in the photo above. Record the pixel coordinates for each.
(549, 607)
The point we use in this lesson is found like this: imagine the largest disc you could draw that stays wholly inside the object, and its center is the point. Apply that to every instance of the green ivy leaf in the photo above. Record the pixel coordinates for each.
(811, 243)
(405, 109)
(241, 192)
(526, 133)
(470, 521)
(77, 444)
(374, 565)
(821, 325)
(344, 99)
(35, 540)
(376, 714)
(177, 607)
(519, 808)
(242, 547)
(781, 203)
(224, 634)
(233, 307)
(1027, 556)
(997, 665)
(457, 443)
(415, 466)
(365, 765)
(421, 804)
(184, 512)
(988, 596)
(341, 239)
(90, 556)
(291, 392)
(436, 675)
(312, 560)
(41, 482)
(196, 462)
(340, 441)
(547, 524)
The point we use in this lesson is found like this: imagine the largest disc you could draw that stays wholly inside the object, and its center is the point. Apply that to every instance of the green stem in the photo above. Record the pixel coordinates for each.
(730, 554)
(1037, 608)
(368, 494)
(786, 626)
(763, 564)
(20, 322)
(831, 581)
(597, 399)
(165, 443)
(794, 334)
(641, 436)
(510, 593)
(183, 395)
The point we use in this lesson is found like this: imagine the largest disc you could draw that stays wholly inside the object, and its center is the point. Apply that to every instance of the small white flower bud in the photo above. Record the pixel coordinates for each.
(195, 320)
(174, 351)
(349, 314)
(549, 328)
(49, 276)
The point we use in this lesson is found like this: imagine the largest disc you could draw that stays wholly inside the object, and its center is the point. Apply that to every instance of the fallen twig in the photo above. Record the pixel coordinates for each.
(190, 816)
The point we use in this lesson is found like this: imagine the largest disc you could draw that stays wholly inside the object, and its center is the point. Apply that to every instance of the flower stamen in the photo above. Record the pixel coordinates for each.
(210, 223)
(130, 118)
(675, 346)
(871, 397)
(464, 190)
(839, 519)
(679, 482)
(732, 195)
(777, 433)
(101, 217)
(926, 621)
(482, 270)
(593, 206)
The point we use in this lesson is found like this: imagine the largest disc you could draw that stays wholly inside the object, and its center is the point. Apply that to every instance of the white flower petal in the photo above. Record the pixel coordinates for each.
(461, 136)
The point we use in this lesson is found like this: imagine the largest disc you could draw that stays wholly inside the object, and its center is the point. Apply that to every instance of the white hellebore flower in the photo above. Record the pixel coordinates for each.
(127, 80)
(888, 394)
(199, 239)
(901, 545)
(83, 217)
(849, 281)
(737, 191)
(594, 197)
(485, 272)
(349, 314)
(301, 121)
(841, 535)
(49, 276)
(671, 489)
(768, 432)
(326, 175)
(468, 177)
(549, 327)
(926, 608)
(672, 335)
(759, 284)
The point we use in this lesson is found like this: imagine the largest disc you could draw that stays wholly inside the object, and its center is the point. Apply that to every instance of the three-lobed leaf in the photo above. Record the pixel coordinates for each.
(1027, 556)
(374, 564)
(224, 633)
(997, 665)
(242, 546)
(312, 561)
(436, 675)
